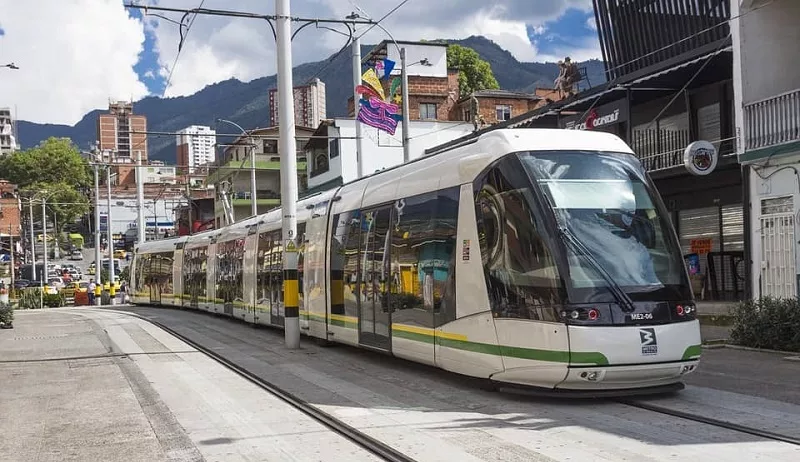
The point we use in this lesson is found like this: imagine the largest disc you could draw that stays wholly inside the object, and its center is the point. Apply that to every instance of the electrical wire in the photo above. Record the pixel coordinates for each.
(184, 36)
(384, 17)
(722, 44)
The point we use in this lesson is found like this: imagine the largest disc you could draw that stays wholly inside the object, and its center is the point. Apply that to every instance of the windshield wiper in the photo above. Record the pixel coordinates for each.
(623, 299)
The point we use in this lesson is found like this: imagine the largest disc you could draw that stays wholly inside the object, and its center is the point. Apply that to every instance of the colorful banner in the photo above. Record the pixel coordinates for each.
(378, 109)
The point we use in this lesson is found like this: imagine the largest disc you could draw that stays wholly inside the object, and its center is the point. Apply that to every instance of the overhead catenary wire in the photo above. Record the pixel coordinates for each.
(184, 36)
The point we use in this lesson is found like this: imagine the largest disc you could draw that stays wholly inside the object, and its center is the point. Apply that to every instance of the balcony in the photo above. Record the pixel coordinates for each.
(772, 121)
(660, 149)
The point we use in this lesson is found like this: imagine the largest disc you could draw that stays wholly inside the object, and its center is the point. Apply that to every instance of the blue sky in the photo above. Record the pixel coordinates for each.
(571, 30)
(147, 67)
(551, 39)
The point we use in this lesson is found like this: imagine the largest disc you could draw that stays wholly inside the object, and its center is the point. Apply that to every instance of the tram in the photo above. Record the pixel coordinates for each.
(537, 257)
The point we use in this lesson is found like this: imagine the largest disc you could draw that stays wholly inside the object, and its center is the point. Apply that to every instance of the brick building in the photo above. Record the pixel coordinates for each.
(117, 141)
(501, 105)
(9, 209)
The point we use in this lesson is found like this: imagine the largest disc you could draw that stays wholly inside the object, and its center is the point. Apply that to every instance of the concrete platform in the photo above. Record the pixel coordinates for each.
(100, 386)
(432, 415)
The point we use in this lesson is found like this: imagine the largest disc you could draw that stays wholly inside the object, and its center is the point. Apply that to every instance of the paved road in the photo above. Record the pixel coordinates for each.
(437, 416)
(87, 385)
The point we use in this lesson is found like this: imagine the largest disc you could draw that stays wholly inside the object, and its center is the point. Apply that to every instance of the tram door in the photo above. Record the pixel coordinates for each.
(374, 316)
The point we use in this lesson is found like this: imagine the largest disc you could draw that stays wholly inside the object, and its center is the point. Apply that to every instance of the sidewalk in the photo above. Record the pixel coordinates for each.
(93, 386)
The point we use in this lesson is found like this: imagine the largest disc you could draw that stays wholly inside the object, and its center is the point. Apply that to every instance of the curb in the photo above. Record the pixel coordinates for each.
(762, 350)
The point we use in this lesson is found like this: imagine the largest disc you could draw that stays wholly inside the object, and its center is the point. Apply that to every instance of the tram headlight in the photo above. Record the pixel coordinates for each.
(575, 314)
(593, 314)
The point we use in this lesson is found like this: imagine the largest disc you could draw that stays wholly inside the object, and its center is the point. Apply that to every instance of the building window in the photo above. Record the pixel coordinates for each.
(467, 115)
(503, 112)
(427, 111)
(270, 146)
(333, 148)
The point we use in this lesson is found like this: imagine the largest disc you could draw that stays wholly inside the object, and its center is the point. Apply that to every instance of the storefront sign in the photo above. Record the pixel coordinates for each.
(701, 246)
(598, 117)
(700, 158)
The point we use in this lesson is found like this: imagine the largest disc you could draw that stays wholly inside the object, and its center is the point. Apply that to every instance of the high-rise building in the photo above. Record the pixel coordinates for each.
(121, 137)
(195, 145)
(8, 139)
(309, 105)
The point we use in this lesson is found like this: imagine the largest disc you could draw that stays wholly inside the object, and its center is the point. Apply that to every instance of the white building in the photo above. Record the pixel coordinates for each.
(332, 161)
(195, 146)
(158, 214)
(767, 106)
(8, 132)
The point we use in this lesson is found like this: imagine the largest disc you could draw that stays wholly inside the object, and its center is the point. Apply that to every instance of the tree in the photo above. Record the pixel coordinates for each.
(54, 161)
(474, 74)
(63, 201)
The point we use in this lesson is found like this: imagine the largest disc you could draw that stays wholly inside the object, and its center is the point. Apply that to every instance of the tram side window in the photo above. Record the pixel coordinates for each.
(142, 261)
(194, 285)
(345, 264)
(161, 271)
(262, 269)
(521, 274)
(422, 256)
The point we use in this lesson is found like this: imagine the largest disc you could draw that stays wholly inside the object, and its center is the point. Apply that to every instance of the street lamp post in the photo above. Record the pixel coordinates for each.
(356, 97)
(98, 265)
(253, 198)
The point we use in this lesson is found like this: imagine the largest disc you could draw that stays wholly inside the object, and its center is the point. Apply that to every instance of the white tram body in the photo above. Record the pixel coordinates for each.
(535, 257)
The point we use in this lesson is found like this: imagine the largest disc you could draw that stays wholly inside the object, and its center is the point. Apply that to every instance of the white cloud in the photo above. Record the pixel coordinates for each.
(580, 50)
(73, 56)
(591, 23)
(219, 48)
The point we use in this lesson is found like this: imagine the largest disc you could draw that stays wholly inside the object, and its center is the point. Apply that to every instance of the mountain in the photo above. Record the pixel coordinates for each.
(247, 103)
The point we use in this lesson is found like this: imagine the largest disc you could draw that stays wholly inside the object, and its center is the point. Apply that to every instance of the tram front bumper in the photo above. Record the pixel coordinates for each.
(626, 376)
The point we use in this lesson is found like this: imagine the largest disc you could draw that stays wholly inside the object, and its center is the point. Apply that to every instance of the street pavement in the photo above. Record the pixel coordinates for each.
(433, 415)
(86, 385)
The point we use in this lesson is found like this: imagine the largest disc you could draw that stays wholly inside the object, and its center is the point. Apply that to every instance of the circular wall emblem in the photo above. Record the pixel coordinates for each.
(700, 158)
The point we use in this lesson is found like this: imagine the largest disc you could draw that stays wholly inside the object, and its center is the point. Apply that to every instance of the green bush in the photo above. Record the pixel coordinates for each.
(771, 323)
(6, 315)
(53, 300)
(30, 299)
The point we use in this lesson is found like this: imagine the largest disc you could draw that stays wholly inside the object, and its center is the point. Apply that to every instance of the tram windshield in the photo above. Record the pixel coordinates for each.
(609, 205)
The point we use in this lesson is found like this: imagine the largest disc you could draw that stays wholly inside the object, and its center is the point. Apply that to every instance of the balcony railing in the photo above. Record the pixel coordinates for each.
(663, 149)
(772, 121)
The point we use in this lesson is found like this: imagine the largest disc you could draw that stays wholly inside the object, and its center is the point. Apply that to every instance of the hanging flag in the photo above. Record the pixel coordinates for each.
(378, 114)
(394, 86)
(384, 68)
(372, 80)
(367, 92)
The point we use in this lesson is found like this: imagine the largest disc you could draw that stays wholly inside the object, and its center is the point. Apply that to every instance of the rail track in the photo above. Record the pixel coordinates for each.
(358, 437)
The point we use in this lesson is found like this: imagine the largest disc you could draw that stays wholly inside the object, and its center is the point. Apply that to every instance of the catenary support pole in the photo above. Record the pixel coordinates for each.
(98, 264)
(253, 192)
(288, 154)
(406, 110)
(141, 225)
(356, 106)
(33, 240)
(44, 240)
(112, 290)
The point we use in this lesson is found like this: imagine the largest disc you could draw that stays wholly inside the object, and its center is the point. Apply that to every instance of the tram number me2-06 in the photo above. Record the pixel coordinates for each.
(641, 316)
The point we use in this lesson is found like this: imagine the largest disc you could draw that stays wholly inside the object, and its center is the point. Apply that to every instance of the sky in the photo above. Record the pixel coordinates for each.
(75, 55)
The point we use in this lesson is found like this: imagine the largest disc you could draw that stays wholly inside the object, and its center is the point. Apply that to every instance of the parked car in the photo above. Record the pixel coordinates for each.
(76, 255)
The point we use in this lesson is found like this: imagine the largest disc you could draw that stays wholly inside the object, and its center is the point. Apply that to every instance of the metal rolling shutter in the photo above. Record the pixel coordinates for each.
(699, 224)
(733, 227)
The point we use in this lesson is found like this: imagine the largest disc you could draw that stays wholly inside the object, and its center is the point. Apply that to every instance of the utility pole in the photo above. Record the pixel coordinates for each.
(44, 237)
(286, 147)
(33, 238)
(140, 223)
(98, 265)
(111, 283)
(356, 99)
(406, 110)
(254, 201)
